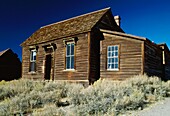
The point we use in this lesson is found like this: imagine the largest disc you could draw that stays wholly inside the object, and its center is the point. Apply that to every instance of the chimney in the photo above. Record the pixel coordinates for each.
(117, 20)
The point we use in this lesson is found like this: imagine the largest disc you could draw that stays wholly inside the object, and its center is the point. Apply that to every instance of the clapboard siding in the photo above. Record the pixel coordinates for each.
(81, 60)
(153, 60)
(60, 73)
(130, 57)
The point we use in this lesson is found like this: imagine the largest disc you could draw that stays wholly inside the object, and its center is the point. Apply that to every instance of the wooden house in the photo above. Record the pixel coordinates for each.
(10, 65)
(89, 47)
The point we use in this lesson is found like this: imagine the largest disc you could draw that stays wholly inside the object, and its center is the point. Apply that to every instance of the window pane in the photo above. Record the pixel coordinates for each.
(109, 48)
(109, 66)
(68, 63)
(113, 66)
(68, 49)
(113, 54)
(116, 60)
(72, 62)
(32, 66)
(116, 66)
(109, 54)
(113, 60)
(109, 60)
(116, 53)
(72, 49)
(33, 55)
(113, 48)
(116, 48)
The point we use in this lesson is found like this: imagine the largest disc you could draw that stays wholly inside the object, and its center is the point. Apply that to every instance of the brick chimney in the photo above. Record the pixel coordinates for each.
(117, 19)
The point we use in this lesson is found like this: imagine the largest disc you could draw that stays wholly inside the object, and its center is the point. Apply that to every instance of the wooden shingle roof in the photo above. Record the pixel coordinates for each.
(72, 26)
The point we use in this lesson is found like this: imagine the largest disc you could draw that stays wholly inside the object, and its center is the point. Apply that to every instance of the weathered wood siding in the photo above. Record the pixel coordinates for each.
(94, 70)
(26, 63)
(153, 65)
(81, 60)
(58, 60)
(166, 64)
(130, 57)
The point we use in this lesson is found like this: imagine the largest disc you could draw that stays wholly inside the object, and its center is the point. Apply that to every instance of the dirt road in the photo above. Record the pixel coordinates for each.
(162, 108)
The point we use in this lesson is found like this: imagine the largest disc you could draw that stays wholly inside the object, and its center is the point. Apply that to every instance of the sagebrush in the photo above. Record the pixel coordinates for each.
(104, 97)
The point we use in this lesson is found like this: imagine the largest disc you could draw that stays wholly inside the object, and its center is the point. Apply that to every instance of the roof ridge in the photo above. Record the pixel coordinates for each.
(2, 52)
(75, 17)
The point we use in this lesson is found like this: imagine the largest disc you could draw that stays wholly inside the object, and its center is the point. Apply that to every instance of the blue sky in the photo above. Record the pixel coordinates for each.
(20, 18)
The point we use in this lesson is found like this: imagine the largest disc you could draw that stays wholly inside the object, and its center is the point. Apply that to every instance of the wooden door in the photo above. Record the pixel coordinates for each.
(48, 62)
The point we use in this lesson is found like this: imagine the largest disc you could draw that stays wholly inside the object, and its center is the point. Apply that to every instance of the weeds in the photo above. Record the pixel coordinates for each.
(104, 97)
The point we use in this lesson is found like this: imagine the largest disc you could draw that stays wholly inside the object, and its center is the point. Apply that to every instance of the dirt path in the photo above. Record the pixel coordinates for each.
(162, 108)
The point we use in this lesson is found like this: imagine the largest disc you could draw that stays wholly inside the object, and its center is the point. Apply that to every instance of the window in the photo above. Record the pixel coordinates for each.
(70, 56)
(33, 61)
(113, 57)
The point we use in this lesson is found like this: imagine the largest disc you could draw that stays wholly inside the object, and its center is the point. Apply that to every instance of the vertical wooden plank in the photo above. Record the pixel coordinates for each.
(54, 51)
(64, 57)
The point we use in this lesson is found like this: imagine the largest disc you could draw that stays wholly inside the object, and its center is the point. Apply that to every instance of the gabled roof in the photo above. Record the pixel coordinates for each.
(124, 35)
(135, 37)
(4, 51)
(72, 26)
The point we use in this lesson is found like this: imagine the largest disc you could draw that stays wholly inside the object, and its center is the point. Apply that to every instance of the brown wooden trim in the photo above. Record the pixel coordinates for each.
(64, 57)
(75, 56)
(54, 54)
(119, 56)
(89, 52)
(106, 58)
(143, 57)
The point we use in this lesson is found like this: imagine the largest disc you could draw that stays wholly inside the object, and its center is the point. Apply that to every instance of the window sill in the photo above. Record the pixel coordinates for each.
(32, 72)
(112, 69)
(70, 70)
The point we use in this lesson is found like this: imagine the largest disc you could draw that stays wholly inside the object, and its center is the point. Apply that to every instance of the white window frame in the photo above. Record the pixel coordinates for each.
(70, 56)
(33, 56)
(113, 58)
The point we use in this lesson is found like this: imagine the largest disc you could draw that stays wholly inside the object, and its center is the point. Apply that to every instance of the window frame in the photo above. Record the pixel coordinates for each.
(113, 57)
(70, 56)
(33, 60)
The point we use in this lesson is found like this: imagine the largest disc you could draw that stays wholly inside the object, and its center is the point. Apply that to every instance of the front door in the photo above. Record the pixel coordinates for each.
(48, 67)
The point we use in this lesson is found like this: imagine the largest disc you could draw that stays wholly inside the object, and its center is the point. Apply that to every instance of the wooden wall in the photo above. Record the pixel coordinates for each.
(94, 56)
(167, 65)
(26, 63)
(153, 65)
(166, 61)
(58, 63)
(81, 60)
(130, 57)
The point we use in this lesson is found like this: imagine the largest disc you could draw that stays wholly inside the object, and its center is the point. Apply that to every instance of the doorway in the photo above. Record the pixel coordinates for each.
(48, 60)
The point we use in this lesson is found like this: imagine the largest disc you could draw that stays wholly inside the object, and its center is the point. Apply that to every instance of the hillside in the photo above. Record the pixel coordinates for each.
(58, 98)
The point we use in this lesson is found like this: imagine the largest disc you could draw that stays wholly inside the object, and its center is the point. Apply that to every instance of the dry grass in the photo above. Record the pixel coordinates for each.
(103, 98)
